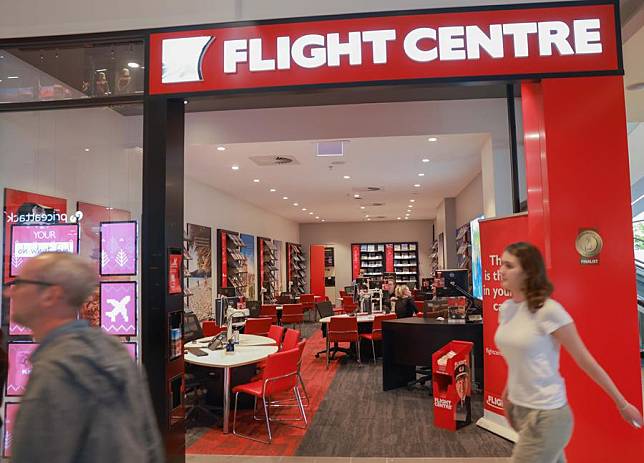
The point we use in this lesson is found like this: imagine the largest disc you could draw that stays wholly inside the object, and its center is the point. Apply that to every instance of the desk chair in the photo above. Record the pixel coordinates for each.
(348, 306)
(276, 333)
(376, 331)
(289, 402)
(291, 338)
(326, 309)
(341, 329)
(280, 375)
(292, 314)
(258, 326)
(269, 311)
(308, 303)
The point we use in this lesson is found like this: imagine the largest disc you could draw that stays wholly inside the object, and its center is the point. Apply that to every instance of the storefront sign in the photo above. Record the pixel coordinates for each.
(445, 44)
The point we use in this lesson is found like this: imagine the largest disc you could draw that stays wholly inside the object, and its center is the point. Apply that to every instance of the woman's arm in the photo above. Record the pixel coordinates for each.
(569, 338)
(507, 407)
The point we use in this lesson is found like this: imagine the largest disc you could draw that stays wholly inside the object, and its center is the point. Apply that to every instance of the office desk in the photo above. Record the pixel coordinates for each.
(410, 342)
(243, 355)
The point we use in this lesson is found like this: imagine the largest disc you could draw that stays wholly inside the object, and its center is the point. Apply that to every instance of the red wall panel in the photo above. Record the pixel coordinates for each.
(316, 256)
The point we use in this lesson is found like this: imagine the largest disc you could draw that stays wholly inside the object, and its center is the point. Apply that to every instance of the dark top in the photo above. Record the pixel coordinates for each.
(405, 307)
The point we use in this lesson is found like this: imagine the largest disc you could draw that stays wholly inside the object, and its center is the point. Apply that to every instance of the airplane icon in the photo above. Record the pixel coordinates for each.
(118, 308)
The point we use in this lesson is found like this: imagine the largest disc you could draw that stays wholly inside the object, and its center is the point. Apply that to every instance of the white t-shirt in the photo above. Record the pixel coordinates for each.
(532, 354)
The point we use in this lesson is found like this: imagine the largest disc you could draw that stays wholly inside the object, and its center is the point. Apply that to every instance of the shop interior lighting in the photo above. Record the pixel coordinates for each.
(101, 70)
(310, 213)
(317, 216)
(235, 167)
(412, 200)
(272, 190)
(323, 220)
(296, 204)
(416, 185)
(284, 197)
(133, 65)
(368, 220)
(347, 177)
(421, 174)
(406, 218)
(362, 207)
(304, 209)
(357, 196)
(221, 148)
(185, 101)
(432, 139)
(425, 160)
(86, 150)
(410, 206)
(13, 77)
(398, 218)
(256, 180)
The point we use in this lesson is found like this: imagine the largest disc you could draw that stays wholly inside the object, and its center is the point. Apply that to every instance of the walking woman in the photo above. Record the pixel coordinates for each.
(532, 327)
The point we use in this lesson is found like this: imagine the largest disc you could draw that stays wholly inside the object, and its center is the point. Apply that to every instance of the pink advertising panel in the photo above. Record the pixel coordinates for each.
(118, 248)
(118, 307)
(10, 411)
(14, 328)
(19, 354)
(28, 241)
(132, 349)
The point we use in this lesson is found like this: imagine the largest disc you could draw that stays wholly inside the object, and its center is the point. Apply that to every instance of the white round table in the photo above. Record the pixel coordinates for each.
(244, 340)
(362, 318)
(245, 354)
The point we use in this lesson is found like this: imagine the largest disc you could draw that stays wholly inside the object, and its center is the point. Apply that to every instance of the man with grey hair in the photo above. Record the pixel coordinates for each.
(86, 400)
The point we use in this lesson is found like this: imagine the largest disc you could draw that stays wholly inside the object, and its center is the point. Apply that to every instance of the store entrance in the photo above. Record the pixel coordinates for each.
(290, 205)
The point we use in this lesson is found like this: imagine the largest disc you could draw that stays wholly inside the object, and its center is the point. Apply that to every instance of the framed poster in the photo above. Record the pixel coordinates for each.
(19, 354)
(132, 349)
(118, 248)
(10, 411)
(28, 241)
(118, 307)
(14, 328)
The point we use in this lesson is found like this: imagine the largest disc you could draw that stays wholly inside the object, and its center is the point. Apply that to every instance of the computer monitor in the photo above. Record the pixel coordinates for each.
(348, 289)
(221, 304)
(459, 277)
(228, 292)
(191, 327)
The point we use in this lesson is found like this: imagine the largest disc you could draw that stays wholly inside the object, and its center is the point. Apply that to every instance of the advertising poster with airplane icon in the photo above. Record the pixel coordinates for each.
(118, 307)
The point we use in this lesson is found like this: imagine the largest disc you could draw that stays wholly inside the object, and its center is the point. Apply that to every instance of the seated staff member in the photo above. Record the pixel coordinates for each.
(388, 297)
(405, 305)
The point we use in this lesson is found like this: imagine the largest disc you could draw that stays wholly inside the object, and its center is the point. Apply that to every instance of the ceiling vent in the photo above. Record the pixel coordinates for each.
(264, 161)
(377, 204)
(366, 189)
(380, 217)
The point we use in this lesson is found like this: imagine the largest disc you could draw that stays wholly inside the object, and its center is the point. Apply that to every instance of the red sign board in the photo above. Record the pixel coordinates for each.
(355, 260)
(174, 273)
(441, 44)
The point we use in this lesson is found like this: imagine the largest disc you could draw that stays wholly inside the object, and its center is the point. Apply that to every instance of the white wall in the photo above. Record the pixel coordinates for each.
(469, 202)
(207, 206)
(341, 235)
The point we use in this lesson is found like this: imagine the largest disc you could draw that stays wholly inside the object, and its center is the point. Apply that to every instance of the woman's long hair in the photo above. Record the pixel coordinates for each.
(537, 287)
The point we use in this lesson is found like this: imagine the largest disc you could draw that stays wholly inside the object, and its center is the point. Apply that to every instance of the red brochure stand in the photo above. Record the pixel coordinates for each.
(452, 384)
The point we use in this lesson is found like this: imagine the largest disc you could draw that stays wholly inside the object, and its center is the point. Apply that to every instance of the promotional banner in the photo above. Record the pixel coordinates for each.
(19, 366)
(10, 412)
(118, 248)
(118, 307)
(389, 257)
(440, 44)
(28, 241)
(14, 328)
(355, 260)
(495, 235)
(132, 349)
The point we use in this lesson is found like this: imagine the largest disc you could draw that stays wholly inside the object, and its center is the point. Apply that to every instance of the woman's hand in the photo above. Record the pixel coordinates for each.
(507, 408)
(631, 415)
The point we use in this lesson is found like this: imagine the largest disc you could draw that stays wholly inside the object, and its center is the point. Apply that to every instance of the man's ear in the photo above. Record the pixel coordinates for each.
(53, 296)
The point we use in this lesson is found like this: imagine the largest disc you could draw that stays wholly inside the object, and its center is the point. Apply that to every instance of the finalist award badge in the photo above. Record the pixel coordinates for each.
(589, 244)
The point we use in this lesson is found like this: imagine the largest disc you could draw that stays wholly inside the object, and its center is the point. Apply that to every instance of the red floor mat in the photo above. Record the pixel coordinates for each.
(286, 439)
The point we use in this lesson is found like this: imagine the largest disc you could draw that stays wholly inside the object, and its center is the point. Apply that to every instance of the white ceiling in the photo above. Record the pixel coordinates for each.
(387, 142)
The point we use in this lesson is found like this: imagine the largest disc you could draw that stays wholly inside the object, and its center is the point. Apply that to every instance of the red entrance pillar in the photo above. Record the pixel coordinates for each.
(577, 177)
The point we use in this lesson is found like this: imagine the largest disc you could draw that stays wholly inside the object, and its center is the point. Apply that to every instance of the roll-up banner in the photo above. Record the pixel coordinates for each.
(496, 234)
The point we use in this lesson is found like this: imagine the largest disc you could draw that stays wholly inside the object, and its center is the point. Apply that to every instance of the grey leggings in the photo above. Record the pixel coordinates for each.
(543, 434)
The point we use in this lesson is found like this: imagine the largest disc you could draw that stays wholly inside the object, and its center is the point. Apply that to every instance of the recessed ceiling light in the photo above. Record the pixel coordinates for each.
(310, 213)
(256, 180)
(367, 215)
(412, 200)
(347, 177)
(406, 218)
(317, 216)
(13, 77)
(272, 190)
(284, 197)
(408, 210)
(432, 139)
(397, 218)
(416, 185)
(357, 196)
(368, 220)
(221, 148)
(86, 149)
(185, 101)
(421, 175)
(235, 167)
(296, 204)
(425, 160)
(410, 206)
(133, 65)
(323, 220)
(362, 207)
(304, 208)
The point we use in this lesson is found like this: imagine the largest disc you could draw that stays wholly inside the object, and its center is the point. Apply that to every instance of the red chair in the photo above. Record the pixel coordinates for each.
(308, 302)
(376, 331)
(291, 338)
(289, 402)
(280, 375)
(258, 326)
(292, 314)
(210, 328)
(348, 305)
(269, 311)
(343, 293)
(276, 333)
(341, 329)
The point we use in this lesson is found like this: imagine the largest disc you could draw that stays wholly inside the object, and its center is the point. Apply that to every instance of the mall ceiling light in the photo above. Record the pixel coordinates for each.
(133, 65)
(86, 150)
(185, 101)
(432, 139)
(221, 148)
(323, 220)
(368, 220)
(13, 77)
(421, 174)
(296, 204)
(310, 213)
(362, 207)
(272, 190)
(398, 218)
(425, 160)
(284, 197)
(412, 200)
(255, 180)
(410, 206)
(347, 177)
(235, 167)
(406, 218)
(416, 185)
(357, 196)
(101, 70)
(304, 209)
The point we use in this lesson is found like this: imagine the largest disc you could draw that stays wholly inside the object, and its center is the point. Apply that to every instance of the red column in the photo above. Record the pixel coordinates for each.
(316, 260)
(577, 177)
